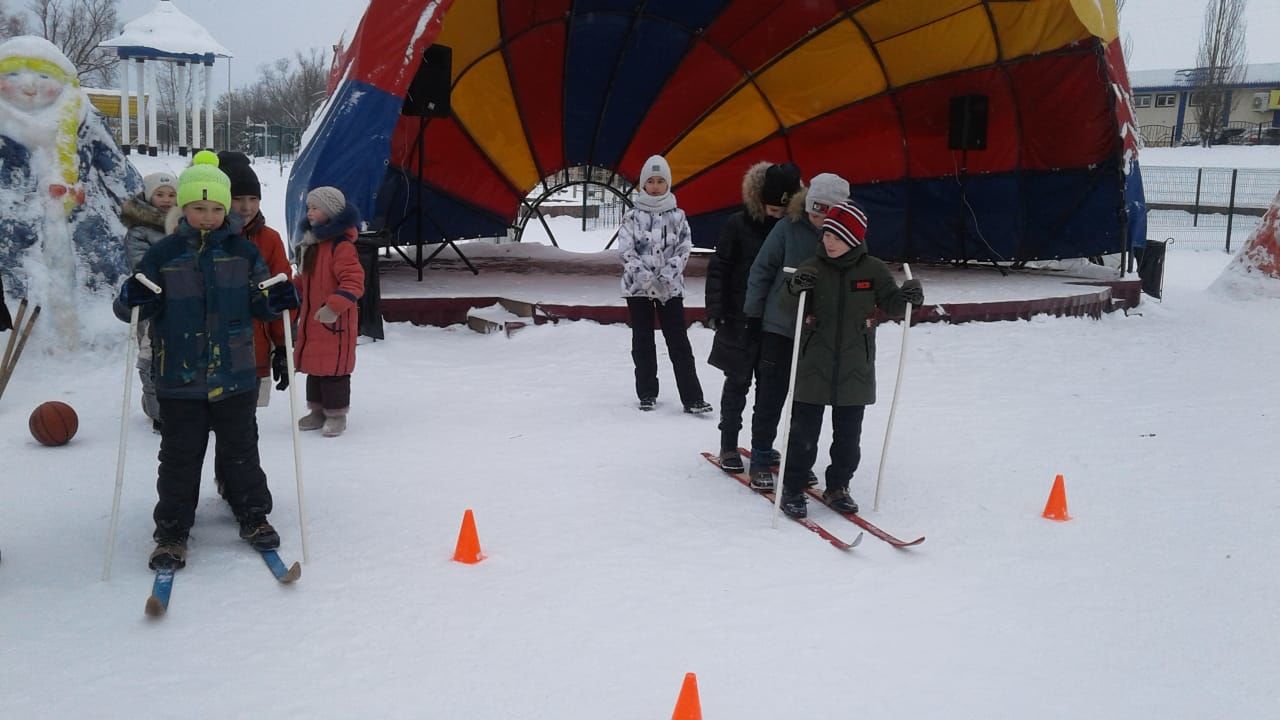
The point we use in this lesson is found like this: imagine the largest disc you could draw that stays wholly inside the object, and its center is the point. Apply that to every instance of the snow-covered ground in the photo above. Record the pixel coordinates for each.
(618, 559)
(1222, 156)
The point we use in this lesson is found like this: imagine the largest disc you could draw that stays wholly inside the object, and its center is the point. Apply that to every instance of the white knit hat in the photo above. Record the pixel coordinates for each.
(328, 199)
(156, 180)
(656, 166)
(825, 190)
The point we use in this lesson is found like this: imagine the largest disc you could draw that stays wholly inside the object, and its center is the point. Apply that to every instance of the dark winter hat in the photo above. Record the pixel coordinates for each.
(329, 200)
(847, 222)
(244, 181)
(781, 182)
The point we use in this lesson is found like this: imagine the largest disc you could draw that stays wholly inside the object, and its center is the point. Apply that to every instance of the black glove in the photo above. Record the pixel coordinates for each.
(282, 296)
(912, 292)
(280, 368)
(134, 294)
(803, 280)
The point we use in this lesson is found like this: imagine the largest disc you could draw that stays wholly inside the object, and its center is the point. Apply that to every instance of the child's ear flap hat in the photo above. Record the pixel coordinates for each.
(204, 181)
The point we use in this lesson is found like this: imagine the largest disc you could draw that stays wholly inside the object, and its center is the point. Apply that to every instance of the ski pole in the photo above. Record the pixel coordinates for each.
(13, 334)
(897, 388)
(124, 425)
(786, 408)
(293, 415)
(6, 372)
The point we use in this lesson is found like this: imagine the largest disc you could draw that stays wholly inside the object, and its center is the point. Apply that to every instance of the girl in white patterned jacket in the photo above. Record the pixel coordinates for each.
(655, 242)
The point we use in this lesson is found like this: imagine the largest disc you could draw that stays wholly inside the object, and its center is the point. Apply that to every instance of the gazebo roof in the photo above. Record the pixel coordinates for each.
(166, 33)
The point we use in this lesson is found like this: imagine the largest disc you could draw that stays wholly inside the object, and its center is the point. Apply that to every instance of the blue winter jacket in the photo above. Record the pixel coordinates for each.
(203, 322)
(791, 241)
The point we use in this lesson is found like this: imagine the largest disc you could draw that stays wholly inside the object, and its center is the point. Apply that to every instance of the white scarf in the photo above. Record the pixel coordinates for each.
(656, 203)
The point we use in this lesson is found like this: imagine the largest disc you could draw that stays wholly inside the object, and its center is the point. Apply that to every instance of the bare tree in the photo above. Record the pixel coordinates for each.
(77, 27)
(287, 94)
(1220, 64)
(11, 24)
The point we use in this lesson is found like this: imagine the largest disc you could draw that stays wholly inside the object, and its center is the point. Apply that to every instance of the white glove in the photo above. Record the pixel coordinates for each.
(326, 315)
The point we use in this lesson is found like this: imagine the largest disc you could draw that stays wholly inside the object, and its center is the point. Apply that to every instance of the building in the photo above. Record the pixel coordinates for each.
(1165, 104)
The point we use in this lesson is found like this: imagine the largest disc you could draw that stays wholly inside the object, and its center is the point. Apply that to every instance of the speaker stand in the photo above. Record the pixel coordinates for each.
(419, 214)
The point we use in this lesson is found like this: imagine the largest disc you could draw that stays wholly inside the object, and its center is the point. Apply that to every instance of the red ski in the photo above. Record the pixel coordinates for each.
(851, 517)
(813, 526)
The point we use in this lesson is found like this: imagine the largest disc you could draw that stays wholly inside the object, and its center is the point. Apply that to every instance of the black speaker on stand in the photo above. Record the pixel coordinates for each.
(967, 130)
(427, 97)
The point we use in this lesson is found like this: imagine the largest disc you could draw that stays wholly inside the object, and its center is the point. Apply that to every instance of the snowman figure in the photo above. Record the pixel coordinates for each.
(62, 182)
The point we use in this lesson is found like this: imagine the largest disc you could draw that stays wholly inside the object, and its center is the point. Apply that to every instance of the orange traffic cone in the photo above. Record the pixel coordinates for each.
(468, 549)
(687, 705)
(1056, 508)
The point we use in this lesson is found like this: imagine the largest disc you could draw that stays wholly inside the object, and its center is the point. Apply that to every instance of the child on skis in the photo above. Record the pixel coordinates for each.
(836, 365)
(205, 377)
(655, 242)
(144, 216)
(330, 281)
(792, 241)
(766, 192)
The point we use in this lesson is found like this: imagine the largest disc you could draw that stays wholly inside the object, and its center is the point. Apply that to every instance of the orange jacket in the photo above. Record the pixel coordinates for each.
(336, 280)
(267, 335)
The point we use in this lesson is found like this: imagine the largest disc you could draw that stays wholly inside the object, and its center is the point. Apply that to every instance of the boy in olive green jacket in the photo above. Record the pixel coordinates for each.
(836, 365)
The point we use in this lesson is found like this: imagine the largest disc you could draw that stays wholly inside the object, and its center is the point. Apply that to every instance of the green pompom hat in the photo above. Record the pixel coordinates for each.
(204, 181)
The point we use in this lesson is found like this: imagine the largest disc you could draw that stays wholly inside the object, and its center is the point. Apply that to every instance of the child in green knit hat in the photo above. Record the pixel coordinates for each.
(205, 371)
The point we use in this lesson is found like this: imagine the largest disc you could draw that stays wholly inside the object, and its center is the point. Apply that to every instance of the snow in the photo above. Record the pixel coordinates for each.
(168, 30)
(1221, 156)
(618, 559)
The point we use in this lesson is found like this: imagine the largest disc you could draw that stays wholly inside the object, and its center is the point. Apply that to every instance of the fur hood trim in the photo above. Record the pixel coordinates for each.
(795, 208)
(752, 188)
(137, 211)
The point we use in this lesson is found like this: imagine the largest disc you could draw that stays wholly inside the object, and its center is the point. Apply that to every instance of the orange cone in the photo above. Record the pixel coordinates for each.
(1056, 508)
(687, 705)
(468, 549)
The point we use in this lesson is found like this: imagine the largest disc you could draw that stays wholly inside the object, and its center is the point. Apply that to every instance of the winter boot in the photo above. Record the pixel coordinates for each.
(812, 480)
(794, 505)
(647, 404)
(730, 460)
(698, 408)
(170, 554)
(313, 420)
(334, 423)
(259, 533)
(767, 458)
(762, 479)
(838, 499)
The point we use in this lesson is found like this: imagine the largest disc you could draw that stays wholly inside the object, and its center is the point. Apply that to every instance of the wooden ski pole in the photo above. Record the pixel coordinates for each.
(293, 414)
(124, 425)
(13, 335)
(17, 353)
(893, 406)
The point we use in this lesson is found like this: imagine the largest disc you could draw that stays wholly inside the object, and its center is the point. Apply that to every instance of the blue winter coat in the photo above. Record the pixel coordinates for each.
(203, 322)
(792, 241)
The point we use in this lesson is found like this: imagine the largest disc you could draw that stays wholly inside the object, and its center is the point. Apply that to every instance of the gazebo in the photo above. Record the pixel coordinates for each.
(166, 34)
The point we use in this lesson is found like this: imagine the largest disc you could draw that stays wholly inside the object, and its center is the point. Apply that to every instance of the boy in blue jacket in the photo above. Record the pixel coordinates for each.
(205, 370)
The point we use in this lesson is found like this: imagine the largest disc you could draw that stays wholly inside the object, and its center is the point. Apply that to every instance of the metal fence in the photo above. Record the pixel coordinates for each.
(257, 139)
(1206, 207)
(1236, 132)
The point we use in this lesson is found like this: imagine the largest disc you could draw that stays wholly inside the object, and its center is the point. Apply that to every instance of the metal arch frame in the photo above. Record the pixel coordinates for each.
(532, 208)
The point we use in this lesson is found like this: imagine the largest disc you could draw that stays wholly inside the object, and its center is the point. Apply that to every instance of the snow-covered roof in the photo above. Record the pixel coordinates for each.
(1257, 74)
(169, 34)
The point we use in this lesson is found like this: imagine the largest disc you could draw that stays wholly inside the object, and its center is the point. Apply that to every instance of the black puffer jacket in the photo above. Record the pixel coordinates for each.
(740, 239)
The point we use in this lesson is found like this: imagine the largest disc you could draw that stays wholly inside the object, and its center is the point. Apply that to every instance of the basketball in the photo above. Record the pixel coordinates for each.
(53, 423)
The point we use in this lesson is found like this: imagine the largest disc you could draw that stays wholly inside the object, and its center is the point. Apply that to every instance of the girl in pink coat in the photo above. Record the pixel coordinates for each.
(330, 281)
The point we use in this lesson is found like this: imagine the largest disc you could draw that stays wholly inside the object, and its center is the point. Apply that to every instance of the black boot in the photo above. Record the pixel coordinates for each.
(838, 499)
(259, 533)
(170, 554)
(730, 460)
(794, 505)
(648, 404)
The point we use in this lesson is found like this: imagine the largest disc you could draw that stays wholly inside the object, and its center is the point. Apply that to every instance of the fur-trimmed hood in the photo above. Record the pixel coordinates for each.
(137, 211)
(795, 208)
(752, 191)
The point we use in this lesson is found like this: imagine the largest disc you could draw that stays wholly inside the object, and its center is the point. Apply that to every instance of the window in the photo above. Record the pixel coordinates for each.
(1142, 101)
(1199, 98)
(1168, 100)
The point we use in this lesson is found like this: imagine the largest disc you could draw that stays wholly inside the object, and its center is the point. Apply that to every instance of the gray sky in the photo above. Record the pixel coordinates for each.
(1165, 33)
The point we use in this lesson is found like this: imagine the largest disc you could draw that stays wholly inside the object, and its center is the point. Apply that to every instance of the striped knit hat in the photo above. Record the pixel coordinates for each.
(847, 222)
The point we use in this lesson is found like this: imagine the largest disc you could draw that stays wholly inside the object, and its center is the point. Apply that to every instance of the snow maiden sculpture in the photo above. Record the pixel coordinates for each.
(62, 182)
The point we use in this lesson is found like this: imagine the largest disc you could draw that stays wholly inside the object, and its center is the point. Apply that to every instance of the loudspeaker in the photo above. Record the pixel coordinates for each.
(968, 123)
(428, 94)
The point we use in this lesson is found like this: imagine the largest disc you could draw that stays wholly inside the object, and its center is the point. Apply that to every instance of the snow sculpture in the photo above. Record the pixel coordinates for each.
(1255, 270)
(62, 182)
